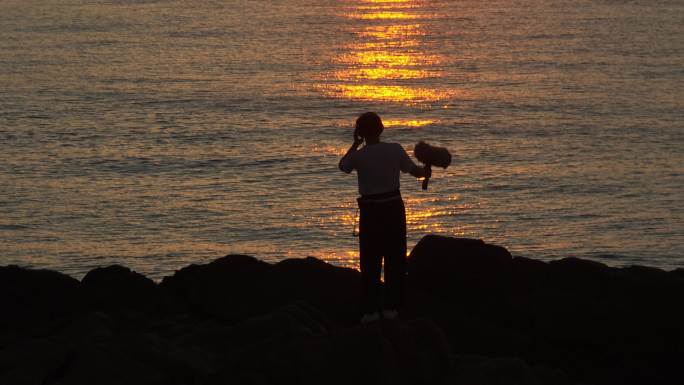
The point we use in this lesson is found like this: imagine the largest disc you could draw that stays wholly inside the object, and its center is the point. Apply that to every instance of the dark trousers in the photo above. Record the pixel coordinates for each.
(382, 233)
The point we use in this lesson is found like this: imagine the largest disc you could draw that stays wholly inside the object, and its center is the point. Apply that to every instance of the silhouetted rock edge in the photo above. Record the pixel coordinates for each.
(474, 314)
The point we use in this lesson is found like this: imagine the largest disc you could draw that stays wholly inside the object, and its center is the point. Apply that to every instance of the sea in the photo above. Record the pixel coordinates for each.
(156, 134)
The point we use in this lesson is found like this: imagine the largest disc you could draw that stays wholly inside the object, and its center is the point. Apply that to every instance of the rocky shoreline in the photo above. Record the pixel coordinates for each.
(473, 315)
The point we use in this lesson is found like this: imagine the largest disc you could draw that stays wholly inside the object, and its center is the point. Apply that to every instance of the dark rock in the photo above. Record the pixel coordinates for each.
(29, 296)
(332, 290)
(33, 360)
(404, 352)
(420, 349)
(229, 287)
(139, 358)
(502, 371)
(465, 285)
(455, 268)
(236, 287)
(597, 323)
(117, 288)
(473, 315)
(679, 272)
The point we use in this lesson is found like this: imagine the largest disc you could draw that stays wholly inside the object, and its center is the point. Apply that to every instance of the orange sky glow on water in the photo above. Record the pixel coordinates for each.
(159, 134)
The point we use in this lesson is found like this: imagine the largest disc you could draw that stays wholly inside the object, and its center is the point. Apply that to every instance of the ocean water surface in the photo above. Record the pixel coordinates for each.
(156, 134)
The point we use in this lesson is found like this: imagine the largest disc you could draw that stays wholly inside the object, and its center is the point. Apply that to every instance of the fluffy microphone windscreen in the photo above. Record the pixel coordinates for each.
(435, 156)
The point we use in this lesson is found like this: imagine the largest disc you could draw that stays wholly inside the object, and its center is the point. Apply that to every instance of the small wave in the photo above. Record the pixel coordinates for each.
(621, 259)
(609, 256)
(13, 227)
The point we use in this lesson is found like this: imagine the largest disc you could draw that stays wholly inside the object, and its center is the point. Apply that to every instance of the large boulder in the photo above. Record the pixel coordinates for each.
(30, 296)
(466, 271)
(116, 288)
(333, 290)
(598, 323)
(229, 287)
(236, 287)
(463, 284)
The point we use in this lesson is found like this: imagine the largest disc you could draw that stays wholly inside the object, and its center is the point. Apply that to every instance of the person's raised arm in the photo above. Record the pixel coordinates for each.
(345, 165)
(407, 165)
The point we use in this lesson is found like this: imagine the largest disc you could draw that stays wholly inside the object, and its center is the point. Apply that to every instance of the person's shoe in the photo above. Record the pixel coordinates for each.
(370, 317)
(390, 314)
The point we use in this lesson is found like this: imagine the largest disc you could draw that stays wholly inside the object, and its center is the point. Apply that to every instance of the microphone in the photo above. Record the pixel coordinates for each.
(431, 156)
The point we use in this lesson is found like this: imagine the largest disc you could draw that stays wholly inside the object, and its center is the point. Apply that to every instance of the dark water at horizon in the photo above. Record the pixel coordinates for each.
(161, 133)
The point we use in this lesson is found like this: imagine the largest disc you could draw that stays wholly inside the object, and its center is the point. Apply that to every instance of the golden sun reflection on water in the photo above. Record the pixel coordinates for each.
(394, 33)
(385, 59)
(383, 15)
(386, 93)
(387, 1)
(385, 6)
(349, 258)
(392, 44)
(382, 73)
(329, 150)
(391, 62)
(408, 123)
(388, 53)
(421, 217)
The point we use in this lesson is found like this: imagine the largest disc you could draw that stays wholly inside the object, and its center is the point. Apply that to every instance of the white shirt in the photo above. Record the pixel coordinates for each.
(377, 166)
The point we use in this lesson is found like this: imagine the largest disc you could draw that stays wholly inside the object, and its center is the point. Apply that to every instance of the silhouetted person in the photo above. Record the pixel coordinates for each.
(382, 226)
